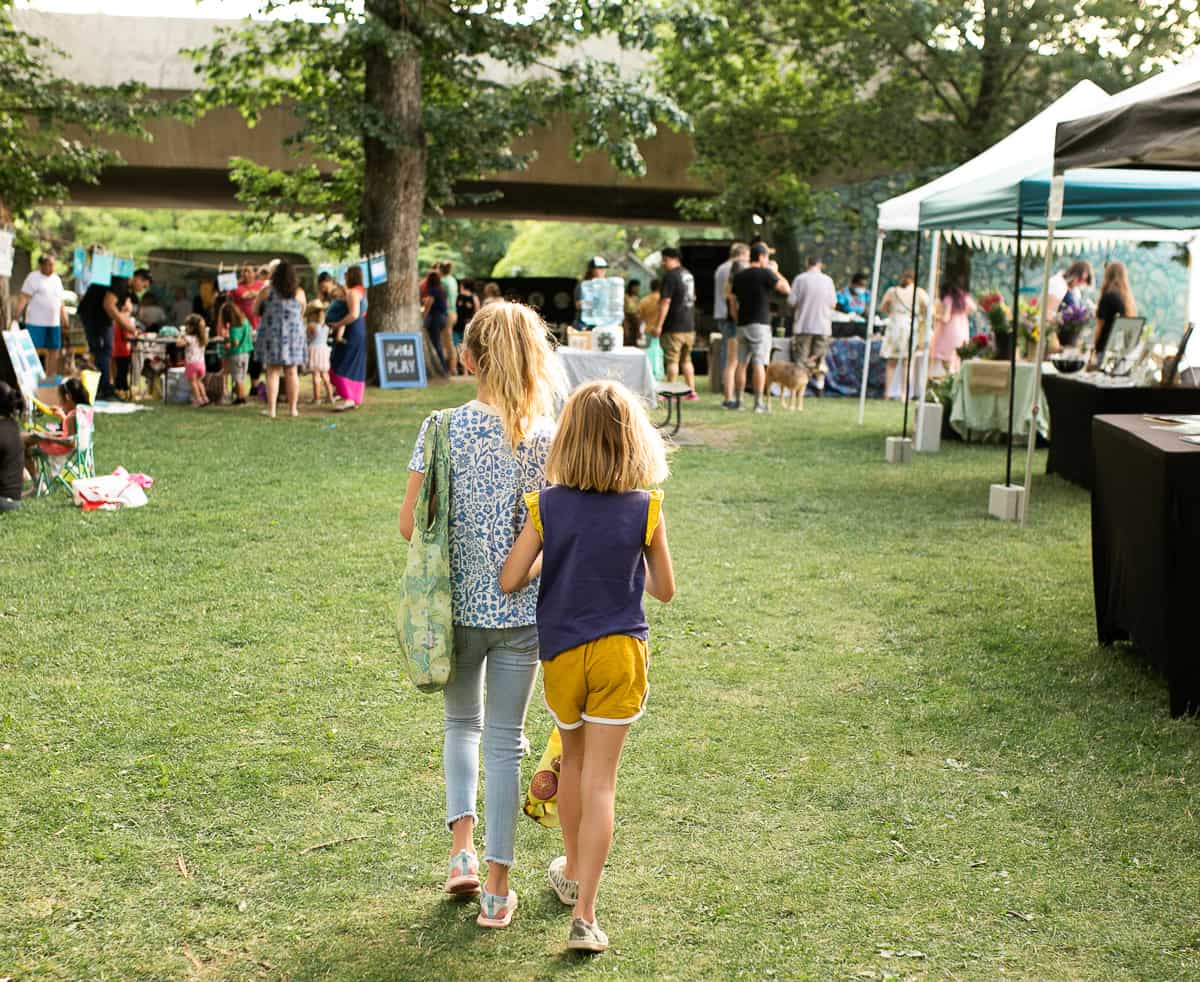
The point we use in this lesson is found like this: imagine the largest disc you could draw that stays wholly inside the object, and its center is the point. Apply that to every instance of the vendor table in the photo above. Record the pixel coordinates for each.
(979, 400)
(1074, 400)
(843, 365)
(629, 366)
(1145, 544)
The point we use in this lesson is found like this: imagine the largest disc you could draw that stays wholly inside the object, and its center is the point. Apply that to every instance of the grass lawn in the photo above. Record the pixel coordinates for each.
(881, 742)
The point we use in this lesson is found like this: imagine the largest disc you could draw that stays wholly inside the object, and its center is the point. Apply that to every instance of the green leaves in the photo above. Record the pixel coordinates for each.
(783, 92)
(489, 72)
(37, 161)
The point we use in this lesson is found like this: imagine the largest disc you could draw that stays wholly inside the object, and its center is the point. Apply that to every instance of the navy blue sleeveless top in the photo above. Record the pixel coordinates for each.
(593, 571)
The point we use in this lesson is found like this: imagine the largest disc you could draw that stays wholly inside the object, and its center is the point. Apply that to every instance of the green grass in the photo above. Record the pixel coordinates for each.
(879, 724)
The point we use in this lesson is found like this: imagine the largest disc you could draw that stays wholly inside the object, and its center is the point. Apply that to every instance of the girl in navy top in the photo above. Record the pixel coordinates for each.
(598, 540)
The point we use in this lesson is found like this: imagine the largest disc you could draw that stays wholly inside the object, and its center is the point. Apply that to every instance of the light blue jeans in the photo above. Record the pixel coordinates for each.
(509, 659)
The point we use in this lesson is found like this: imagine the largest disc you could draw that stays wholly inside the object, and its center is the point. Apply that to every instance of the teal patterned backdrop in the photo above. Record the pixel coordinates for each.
(844, 235)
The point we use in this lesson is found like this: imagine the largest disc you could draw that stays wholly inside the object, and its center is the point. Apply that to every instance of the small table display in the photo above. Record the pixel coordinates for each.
(979, 400)
(629, 366)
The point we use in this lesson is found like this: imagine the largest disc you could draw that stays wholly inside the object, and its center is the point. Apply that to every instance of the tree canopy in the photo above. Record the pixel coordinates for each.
(46, 122)
(487, 72)
(786, 92)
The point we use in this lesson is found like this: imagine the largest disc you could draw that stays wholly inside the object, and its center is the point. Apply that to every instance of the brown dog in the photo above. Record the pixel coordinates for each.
(792, 380)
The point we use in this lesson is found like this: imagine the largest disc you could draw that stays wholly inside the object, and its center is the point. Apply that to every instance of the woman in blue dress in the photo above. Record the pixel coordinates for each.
(280, 343)
(346, 318)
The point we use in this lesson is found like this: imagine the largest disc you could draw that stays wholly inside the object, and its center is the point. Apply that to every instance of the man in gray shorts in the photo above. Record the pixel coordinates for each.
(751, 307)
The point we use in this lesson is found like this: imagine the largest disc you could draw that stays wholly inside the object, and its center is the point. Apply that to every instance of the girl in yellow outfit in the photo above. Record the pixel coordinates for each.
(599, 541)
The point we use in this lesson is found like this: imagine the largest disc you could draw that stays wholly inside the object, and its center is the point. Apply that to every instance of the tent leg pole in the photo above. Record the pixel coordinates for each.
(935, 263)
(862, 395)
(1043, 330)
(1012, 357)
(912, 330)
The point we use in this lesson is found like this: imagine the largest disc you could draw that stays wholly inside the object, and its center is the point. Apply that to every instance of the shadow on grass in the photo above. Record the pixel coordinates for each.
(441, 942)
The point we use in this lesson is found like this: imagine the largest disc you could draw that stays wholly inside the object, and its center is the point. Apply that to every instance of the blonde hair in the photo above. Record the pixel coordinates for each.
(606, 442)
(314, 313)
(1116, 280)
(195, 326)
(514, 362)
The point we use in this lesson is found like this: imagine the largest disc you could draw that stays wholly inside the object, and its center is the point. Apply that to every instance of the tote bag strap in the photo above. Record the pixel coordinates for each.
(433, 500)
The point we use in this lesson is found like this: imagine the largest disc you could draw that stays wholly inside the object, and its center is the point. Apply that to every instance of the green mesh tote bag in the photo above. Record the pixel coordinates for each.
(425, 620)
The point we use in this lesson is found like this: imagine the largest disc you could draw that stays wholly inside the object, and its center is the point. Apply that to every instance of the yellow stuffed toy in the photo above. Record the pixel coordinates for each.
(541, 801)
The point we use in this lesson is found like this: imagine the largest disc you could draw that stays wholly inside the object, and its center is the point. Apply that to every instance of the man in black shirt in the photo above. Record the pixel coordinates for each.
(751, 308)
(676, 318)
(99, 309)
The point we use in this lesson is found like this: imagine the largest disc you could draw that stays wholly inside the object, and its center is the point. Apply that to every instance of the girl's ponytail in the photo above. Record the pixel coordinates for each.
(515, 364)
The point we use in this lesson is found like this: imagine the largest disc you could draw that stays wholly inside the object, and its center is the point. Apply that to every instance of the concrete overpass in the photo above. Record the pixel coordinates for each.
(187, 165)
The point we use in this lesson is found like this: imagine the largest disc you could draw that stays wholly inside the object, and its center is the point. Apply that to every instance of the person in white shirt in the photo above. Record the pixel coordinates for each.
(45, 317)
(1077, 275)
(814, 298)
(739, 251)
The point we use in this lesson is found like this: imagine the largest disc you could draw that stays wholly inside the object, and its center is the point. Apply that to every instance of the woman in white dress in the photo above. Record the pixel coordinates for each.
(897, 305)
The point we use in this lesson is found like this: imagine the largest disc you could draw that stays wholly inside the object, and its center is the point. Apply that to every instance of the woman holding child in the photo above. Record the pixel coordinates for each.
(348, 327)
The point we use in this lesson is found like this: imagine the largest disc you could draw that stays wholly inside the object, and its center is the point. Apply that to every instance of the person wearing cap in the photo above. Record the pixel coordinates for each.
(676, 319)
(597, 269)
(45, 317)
(99, 310)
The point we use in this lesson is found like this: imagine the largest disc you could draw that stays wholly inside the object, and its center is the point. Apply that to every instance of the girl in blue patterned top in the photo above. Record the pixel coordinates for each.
(499, 443)
(598, 540)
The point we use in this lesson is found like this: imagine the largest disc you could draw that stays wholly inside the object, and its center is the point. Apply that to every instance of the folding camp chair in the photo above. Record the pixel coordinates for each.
(79, 461)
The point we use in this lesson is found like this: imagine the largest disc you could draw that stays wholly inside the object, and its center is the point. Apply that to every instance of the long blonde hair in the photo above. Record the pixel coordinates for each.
(606, 442)
(1116, 280)
(515, 364)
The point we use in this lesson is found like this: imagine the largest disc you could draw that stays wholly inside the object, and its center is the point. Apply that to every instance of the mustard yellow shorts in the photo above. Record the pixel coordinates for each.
(603, 681)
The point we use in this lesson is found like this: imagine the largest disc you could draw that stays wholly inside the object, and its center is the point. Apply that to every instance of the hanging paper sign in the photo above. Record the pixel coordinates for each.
(6, 252)
(340, 275)
(79, 265)
(366, 273)
(23, 358)
(123, 268)
(378, 266)
(1058, 189)
(227, 282)
(102, 269)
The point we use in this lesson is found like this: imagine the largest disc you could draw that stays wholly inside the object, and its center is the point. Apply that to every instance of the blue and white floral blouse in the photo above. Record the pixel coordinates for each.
(488, 482)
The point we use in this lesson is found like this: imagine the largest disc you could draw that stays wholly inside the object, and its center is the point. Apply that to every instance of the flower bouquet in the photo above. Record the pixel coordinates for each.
(1073, 319)
(999, 319)
(980, 344)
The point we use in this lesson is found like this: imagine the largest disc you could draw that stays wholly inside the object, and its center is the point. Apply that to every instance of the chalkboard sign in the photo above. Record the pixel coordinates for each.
(401, 360)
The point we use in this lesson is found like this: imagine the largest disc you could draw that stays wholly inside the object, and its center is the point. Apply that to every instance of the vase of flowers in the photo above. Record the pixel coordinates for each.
(999, 319)
(1073, 319)
(1029, 317)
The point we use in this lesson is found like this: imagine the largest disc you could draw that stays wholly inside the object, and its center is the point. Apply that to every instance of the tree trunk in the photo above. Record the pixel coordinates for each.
(394, 196)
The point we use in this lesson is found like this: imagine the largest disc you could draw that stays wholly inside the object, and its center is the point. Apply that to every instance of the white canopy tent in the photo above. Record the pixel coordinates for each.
(1026, 151)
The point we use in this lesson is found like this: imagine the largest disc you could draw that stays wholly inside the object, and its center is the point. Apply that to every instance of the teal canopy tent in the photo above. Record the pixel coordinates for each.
(1092, 199)
(1163, 204)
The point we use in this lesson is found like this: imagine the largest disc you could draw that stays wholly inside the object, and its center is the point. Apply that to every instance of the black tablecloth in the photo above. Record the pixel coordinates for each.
(1146, 548)
(1073, 403)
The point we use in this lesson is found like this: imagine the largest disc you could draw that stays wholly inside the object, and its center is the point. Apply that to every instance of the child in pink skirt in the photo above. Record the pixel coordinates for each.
(194, 341)
(318, 351)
